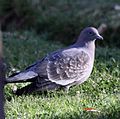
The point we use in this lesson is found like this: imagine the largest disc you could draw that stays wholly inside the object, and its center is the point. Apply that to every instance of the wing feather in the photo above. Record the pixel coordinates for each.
(64, 69)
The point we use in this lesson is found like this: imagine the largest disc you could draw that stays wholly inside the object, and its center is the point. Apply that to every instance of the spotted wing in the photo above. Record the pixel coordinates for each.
(64, 69)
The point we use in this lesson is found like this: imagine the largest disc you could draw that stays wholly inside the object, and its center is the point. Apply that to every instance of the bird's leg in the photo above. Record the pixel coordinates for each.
(66, 88)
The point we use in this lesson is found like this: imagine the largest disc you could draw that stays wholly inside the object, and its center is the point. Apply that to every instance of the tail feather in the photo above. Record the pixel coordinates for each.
(22, 77)
(41, 87)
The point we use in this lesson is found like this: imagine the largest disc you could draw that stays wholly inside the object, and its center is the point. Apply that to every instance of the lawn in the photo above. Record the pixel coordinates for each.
(101, 92)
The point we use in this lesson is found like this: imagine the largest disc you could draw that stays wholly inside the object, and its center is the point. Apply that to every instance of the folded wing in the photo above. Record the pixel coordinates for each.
(65, 69)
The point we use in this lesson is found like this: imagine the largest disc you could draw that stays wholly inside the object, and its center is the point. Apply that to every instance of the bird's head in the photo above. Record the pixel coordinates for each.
(90, 34)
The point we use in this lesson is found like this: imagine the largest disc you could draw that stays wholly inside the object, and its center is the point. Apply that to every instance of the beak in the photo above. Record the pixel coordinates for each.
(99, 37)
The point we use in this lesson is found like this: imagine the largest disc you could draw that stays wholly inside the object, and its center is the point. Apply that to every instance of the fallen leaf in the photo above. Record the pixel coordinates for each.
(91, 109)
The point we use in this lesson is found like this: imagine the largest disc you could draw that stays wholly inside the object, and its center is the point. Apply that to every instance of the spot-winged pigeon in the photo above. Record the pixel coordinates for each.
(62, 68)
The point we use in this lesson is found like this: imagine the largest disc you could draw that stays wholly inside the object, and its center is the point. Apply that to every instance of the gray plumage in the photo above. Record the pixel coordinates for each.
(62, 68)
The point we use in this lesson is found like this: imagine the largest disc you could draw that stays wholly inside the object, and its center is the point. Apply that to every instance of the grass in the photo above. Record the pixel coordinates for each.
(101, 91)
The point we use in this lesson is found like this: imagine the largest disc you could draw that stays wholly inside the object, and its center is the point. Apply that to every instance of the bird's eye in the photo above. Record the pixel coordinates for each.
(90, 33)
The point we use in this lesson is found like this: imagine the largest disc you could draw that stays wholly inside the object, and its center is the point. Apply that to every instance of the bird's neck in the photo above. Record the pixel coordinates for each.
(89, 46)
(86, 44)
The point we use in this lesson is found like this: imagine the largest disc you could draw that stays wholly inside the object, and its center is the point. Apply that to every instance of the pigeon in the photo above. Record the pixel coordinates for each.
(60, 69)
